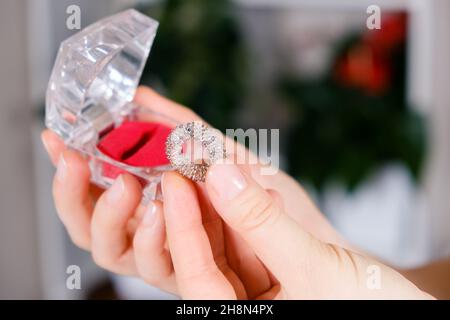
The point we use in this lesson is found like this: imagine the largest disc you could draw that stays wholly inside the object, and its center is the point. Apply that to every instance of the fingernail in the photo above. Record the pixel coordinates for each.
(115, 192)
(61, 169)
(162, 181)
(227, 180)
(150, 215)
(44, 142)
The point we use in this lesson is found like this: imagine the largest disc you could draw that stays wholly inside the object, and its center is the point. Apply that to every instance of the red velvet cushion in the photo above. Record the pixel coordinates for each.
(139, 144)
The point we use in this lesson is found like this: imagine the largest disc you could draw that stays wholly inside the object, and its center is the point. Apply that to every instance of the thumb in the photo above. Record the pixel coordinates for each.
(281, 244)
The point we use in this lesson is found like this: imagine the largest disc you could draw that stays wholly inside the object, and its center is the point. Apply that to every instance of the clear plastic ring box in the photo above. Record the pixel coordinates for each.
(89, 99)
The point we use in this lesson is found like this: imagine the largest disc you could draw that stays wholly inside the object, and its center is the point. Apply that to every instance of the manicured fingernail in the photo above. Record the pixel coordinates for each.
(227, 180)
(150, 215)
(162, 181)
(61, 169)
(44, 142)
(115, 192)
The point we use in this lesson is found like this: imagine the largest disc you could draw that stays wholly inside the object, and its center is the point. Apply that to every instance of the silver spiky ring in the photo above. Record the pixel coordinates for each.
(209, 139)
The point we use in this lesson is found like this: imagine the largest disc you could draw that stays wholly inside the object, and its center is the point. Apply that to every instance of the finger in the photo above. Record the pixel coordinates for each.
(111, 246)
(273, 293)
(53, 145)
(215, 230)
(276, 197)
(153, 261)
(71, 195)
(245, 263)
(276, 239)
(150, 99)
(197, 274)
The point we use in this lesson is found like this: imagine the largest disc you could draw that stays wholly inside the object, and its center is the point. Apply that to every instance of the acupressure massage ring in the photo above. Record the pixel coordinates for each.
(209, 139)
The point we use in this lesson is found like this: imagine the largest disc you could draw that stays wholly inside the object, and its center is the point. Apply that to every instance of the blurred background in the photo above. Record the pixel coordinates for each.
(364, 118)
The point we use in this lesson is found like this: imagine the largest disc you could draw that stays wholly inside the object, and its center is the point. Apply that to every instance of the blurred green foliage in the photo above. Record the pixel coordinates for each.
(198, 57)
(338, 132)
(343, 133)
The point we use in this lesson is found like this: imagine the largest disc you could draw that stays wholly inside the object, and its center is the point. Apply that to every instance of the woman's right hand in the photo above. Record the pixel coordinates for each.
(244, 246)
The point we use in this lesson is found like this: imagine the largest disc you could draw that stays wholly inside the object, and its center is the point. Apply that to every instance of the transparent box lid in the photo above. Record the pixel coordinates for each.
(95, 77)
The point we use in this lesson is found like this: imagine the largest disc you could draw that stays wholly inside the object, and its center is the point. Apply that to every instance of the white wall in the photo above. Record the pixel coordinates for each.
(439, 168)
(19, 268)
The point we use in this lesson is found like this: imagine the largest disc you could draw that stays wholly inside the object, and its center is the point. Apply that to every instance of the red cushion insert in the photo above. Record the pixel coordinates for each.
(140, 144)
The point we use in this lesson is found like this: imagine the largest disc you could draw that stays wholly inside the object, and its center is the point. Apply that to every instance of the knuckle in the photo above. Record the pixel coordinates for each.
(102, 260)
(80, 242)
(154, 275)
(150, 279)
(106, 218)
(100, 224)
(153, 279)
(203, 274)
(345, 259)
(258, 213)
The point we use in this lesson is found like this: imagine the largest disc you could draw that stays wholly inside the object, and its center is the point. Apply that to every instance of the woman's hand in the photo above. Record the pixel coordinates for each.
(257, 251)
(104, 222)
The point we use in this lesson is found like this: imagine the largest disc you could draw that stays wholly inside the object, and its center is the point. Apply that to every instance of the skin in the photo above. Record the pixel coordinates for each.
(202, 244)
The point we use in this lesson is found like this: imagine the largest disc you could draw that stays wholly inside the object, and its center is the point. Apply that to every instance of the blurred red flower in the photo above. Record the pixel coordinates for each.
(392, 33)
(367, 64)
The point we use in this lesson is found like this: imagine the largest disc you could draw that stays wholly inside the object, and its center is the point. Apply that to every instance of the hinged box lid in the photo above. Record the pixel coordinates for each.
(96, 74)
